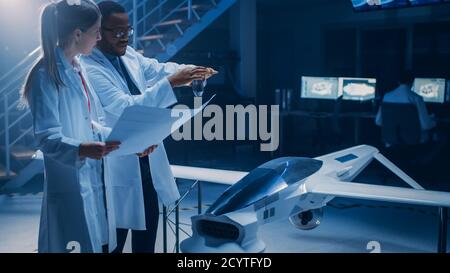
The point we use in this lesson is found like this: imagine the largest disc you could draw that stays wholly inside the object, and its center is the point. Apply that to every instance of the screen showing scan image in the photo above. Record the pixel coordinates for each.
(368, 5)
(360, 89)
(423, 2)
(432, 90)
(319, 88)
(447, 93)
(364, 5)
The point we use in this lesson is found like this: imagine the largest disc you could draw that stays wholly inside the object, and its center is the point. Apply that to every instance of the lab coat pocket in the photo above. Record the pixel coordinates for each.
(65, 223)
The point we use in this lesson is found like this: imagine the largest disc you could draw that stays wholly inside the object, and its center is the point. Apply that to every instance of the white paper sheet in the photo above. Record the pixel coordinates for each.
(140, 127)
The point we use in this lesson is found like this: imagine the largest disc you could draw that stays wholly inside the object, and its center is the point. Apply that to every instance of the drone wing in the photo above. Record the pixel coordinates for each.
(380, 193)
(208, 175)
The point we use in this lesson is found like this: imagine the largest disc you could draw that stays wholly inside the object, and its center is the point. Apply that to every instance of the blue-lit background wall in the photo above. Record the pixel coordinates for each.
(328, 38)
(19, 23)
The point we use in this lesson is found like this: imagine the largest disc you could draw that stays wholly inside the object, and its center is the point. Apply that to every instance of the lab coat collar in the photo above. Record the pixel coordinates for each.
(100, 57)
(131, 64)
(71, 71)
(110, 57)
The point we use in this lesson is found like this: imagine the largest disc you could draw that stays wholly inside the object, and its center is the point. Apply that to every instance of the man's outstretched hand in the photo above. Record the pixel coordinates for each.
(210, 72)
(187, 75)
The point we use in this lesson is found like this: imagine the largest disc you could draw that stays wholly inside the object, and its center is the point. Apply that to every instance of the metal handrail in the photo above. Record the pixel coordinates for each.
(24, 60)
(176, 208)
(12, 124)
(11, 106)
(154, 27)
(152, 11)
(37, 50)
(189, 9)
(11, 84)
(7, 146)
(31, 56)
(19, 70)
(14, 104)
(24, 134)
(165, 17)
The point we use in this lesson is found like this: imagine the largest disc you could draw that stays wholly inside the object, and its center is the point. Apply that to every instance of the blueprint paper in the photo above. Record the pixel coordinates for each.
(140, 127)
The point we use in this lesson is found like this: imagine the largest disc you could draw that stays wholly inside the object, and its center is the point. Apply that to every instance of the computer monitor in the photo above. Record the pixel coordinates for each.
(423, 2)
(368, 5)
(365, 5)
(358, 89)
(447, 94)
(319, 88)
(432, 90)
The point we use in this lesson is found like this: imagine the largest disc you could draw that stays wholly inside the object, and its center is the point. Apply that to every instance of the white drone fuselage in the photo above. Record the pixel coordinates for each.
(291, 200)
(291, 188)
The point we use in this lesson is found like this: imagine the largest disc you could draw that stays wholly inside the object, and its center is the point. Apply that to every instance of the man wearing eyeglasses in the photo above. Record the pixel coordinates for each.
(122, 77)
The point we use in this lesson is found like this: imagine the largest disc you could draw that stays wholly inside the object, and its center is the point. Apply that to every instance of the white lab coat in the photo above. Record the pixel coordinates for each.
(149, 76)
(73, 209)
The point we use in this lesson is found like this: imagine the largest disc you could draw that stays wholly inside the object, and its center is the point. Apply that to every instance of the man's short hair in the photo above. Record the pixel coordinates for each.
(107, 8)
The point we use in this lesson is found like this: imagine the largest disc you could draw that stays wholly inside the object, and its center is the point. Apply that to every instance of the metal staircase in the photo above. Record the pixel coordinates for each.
(162, 28)
(172, 30)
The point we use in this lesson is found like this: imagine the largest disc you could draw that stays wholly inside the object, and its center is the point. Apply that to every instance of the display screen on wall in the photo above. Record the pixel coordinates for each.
(432, 90)
(367, 5)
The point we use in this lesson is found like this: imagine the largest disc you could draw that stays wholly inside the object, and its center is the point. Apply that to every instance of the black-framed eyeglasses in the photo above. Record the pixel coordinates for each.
(118, 33)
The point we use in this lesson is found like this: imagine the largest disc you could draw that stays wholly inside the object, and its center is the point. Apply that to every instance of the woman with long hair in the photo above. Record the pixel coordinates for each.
(77, 208)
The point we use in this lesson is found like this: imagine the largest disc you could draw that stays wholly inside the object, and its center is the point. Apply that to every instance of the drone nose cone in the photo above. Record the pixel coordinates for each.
(220, 234)
(266, 180)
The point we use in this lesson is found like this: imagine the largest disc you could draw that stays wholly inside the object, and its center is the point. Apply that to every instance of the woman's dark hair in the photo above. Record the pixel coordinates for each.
(58, 21)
